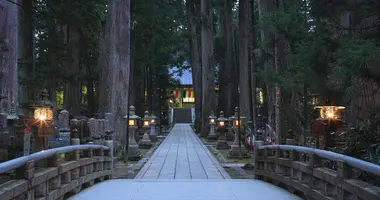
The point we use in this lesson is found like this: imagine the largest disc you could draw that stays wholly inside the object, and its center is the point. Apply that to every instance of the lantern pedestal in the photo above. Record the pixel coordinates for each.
(230, 135)
(212, 136)
(222, 142)
(235, 151)
(134, 153)
(145, 142)
(153, 134)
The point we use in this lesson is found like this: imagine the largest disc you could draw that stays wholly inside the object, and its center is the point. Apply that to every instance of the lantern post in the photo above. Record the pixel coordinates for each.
(222, 124)
(328, 122)
(212, 121)
(132, 151)
(153, 134)
(145, 142)
(235, 151)
(42, 119)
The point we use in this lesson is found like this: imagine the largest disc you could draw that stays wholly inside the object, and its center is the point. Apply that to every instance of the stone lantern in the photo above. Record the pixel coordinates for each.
(235, 151)
(212, 121)
(222, 124)
(42, 119)
(153, 134)
(145, 142)
(133, 148)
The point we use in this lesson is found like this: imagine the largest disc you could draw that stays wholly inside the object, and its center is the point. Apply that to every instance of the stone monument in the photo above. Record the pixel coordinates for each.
(63, 127)
(133, 148)
(145, 142)
(222, 142)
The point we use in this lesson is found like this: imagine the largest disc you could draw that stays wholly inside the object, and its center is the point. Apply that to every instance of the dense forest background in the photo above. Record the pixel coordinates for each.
(85, 52)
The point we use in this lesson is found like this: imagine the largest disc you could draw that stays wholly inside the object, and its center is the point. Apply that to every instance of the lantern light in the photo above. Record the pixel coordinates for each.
(235, 120)
(212, 118)
(147, 119)
(330, 112)
(222, 120)
(43, 108)
(132, 121)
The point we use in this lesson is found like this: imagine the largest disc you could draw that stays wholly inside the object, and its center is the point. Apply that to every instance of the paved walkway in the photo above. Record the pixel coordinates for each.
(171, 172)
(175, 189)
(182, 156)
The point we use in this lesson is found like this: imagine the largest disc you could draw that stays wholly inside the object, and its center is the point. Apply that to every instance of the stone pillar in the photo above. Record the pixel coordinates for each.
(145, 142)
(235, 151)
(290, 138)
(222, 142)
(109, 143)
(75, 132)
(63, 127)
(27, 134)
(211, 136)
(134, 153)
(230, 134)
(153, 134)
(257, 145)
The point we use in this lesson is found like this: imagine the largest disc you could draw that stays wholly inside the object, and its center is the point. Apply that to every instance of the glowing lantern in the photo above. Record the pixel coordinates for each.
(132, 118)
(330, 112)
(147, 120)
(212, 118)
(43, 114)
(235, 121)
(222, 120)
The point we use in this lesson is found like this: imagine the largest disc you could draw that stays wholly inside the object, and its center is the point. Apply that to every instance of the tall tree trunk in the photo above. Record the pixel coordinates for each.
(195, 61)
(72, 95)
(279, 56)
(243, 58)
(229, 58)
(253, 68)
(27, 52)
(115, 62)
(265, 6)
(223, 72)
(8, 54)
(208, 76)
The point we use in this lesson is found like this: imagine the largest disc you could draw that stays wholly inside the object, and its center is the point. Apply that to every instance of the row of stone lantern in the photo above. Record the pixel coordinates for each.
(149, 122)
(223, 125)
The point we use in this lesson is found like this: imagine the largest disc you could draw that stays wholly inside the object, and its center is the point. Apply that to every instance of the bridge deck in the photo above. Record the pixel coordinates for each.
(143, 189)
(182, 168)
(182, 156)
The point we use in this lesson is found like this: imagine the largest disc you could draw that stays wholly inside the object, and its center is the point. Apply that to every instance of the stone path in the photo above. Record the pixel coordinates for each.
(182, 156)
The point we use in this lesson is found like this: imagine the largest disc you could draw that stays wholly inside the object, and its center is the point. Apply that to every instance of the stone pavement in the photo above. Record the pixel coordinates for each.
(182, 168)
(182, 156)
(207, 189)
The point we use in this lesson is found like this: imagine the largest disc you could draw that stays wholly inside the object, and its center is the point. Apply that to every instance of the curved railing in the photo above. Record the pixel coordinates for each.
(304, 171)
(54, 173)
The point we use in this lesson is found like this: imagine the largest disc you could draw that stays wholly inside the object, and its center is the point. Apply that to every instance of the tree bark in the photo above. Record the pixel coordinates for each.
(27, 52)
(243, 58)
(115, 60)
(195, 61)
(8, 54)
(253, 68)
(223, 70)
(230, 58)
(72, 94)
(208, 76)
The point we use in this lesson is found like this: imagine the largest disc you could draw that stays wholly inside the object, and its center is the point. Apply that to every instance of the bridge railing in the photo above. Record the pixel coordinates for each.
(53, 173)
(317, 174)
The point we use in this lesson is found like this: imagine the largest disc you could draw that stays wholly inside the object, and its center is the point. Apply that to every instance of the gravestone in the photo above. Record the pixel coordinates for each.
(63, 127)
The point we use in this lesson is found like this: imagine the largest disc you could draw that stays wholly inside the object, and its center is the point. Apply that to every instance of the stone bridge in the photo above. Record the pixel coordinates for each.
(183, 168)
